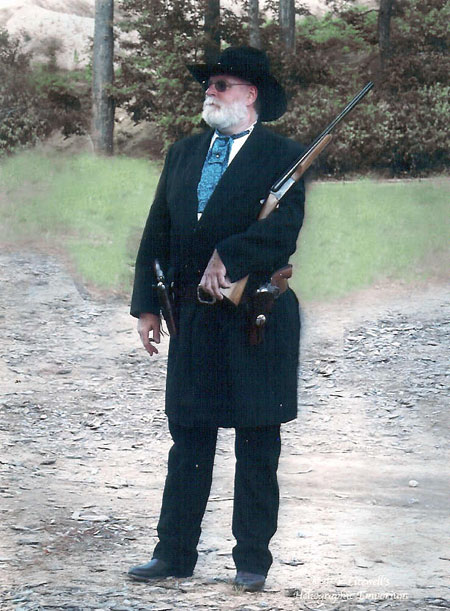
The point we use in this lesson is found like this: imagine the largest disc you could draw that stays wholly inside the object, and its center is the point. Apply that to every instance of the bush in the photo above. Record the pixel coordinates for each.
(35, 101)
(20, 121)
(67, 98)
(400, 127)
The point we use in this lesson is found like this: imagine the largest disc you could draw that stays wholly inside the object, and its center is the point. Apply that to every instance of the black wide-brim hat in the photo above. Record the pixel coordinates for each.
(251, 65)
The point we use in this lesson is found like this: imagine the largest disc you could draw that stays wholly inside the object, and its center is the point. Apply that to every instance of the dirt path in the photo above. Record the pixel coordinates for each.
(364, 474)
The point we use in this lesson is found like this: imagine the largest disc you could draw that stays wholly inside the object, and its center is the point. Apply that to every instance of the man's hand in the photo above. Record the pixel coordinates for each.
(149, 322)
(214, 277)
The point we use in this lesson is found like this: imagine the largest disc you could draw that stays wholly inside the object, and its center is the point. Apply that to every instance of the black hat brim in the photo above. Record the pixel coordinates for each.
(271, 94)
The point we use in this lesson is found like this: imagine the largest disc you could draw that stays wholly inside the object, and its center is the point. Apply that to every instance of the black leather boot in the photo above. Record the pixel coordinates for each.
(155, 569)
(249, 582)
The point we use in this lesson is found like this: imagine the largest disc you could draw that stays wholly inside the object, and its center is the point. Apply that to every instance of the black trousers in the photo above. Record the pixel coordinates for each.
(187, 488)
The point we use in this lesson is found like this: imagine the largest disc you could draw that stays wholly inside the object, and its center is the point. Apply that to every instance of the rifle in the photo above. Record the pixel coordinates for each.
(289, 178)
(164, 299)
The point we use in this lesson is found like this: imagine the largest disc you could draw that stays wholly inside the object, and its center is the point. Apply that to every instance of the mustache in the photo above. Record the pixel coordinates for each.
(209, 101)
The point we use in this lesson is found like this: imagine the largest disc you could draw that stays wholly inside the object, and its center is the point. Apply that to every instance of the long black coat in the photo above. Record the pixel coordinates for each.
(215, 377)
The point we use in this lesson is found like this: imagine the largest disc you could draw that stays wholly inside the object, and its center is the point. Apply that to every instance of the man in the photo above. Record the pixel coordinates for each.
(203, 229)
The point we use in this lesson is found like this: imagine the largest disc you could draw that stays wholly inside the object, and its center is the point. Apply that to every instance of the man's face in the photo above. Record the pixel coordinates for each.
(227, 101)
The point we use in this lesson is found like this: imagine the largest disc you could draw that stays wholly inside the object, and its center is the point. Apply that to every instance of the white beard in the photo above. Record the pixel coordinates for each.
(223, 116)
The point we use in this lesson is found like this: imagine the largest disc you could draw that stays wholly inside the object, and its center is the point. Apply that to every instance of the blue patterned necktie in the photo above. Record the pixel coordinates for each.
(216, 163)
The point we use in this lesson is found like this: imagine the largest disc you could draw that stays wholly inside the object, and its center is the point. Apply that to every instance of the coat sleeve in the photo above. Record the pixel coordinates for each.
(155, 244)
(268, 242)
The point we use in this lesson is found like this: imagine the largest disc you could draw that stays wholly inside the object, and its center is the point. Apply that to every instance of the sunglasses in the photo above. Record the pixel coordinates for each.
(221, 85)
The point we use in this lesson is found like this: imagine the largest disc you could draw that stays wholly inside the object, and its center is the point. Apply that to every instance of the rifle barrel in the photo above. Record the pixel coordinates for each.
(279, 184)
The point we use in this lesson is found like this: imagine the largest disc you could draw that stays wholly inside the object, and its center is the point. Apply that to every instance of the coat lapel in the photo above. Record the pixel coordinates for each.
(248, 163)
(192, 172)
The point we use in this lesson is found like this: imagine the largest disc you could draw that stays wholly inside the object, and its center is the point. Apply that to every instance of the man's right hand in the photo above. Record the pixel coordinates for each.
(149, 322)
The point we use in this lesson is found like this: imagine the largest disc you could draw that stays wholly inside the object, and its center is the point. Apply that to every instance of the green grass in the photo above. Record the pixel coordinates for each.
(366, 231)
(94, 209)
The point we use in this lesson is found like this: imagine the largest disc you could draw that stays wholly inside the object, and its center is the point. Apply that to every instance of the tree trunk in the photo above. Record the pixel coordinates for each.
(287, 24)
(102, 78)
(253, 24)
(212, 31)
(384, 30)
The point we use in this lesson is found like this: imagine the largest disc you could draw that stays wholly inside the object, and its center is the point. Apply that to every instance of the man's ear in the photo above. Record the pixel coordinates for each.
(252, 95)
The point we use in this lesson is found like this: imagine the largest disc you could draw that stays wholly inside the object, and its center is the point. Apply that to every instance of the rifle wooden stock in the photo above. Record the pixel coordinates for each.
(234, 292)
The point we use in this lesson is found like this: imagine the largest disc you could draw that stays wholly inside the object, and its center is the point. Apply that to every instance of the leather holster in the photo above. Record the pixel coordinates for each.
(261, 303)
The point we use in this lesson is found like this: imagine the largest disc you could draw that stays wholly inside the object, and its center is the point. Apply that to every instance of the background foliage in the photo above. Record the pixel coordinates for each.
(35, 101)
(399, 129)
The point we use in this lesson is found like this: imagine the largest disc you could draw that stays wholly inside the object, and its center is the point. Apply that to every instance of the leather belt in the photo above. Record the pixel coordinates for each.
(190, 293)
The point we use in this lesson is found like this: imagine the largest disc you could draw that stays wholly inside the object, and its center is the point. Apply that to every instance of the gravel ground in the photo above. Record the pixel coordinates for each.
(364, 470)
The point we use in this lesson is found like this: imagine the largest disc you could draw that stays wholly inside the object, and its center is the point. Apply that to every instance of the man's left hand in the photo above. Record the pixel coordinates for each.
(214, 277)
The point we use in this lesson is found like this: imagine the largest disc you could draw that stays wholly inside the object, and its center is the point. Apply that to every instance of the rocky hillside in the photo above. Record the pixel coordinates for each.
(59, 28)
